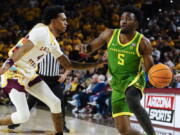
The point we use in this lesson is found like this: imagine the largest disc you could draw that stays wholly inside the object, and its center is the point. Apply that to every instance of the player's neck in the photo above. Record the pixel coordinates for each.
(130, 34)
(127, 37)
(54, 32)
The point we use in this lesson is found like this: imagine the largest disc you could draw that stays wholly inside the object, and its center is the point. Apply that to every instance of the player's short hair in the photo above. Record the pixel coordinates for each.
(51, 12)
(136, 11)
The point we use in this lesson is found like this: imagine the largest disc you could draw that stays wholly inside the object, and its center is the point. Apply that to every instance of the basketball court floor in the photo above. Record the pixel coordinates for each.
(40, 124)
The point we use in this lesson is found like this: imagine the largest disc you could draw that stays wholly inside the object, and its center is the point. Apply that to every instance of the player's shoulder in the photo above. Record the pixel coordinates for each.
(40, 28)
(40, 25)
(112, 31)
(108, 32)
(145, 44)
(144, 39)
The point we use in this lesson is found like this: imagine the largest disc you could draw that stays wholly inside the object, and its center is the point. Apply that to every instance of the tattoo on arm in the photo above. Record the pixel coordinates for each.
(146, 50)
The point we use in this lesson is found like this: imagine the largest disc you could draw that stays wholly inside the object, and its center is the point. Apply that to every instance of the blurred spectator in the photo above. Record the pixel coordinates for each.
(89, 95)
(156, 54)
(86, 19)
(177, 77)
(168, 62)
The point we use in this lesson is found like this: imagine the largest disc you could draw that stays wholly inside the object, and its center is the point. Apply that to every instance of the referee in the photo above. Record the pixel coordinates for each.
(49, 71)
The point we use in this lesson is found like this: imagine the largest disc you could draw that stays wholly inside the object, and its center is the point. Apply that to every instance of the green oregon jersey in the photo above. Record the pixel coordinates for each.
(124, 59)
(124, 63)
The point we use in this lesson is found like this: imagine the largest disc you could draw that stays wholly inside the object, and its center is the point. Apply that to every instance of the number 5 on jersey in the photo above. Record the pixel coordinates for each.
(121, 59)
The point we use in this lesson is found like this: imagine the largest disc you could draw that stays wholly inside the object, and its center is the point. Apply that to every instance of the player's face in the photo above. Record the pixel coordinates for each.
(128, 22)
(61, 23)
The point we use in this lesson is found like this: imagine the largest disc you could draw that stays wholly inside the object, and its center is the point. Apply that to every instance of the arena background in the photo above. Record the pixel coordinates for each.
(86, 20)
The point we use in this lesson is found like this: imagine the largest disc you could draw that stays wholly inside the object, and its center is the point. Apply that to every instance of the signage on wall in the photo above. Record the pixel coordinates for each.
(160, 108)
(163, 133)
(159, 131)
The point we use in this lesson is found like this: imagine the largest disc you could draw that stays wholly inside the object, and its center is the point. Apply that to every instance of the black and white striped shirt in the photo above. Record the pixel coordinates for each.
(49, 66)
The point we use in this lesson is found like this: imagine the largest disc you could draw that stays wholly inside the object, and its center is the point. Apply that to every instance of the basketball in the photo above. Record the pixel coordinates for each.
(160, 75)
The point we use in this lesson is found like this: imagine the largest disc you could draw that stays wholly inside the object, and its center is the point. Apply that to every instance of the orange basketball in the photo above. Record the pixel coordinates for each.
(160, 75)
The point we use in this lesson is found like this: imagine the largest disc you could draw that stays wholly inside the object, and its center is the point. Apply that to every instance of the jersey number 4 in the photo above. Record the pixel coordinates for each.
(121, 59)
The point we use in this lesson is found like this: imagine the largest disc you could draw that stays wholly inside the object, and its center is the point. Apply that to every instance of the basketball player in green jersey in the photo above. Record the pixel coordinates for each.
(126, 49)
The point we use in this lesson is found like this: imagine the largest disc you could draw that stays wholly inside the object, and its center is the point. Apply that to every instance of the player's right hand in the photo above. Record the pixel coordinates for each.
(83, 48)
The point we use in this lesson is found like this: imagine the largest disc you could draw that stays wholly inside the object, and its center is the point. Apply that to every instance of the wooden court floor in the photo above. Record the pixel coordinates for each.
(40, 124)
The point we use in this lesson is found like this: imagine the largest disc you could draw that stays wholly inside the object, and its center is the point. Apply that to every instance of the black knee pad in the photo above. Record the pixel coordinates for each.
(133, 97)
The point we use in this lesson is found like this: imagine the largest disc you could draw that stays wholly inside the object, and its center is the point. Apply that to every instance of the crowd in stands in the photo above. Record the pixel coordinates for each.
(89, 91)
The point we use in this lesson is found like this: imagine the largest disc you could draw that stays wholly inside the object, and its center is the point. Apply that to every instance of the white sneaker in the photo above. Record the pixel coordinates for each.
(73, 102)
(97, 116)
(82, 110)
(75, 112)
(92, 103)
(83, 115)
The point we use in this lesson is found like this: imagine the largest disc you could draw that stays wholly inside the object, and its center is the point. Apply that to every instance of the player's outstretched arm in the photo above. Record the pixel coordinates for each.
(27, 46)
(97, 43)
(146, 51)
(70, 65)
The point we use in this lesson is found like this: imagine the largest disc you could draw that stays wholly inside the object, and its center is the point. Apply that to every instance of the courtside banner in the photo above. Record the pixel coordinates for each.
(161, 115)
(160, 102)
(161, 108)
(159, 131)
